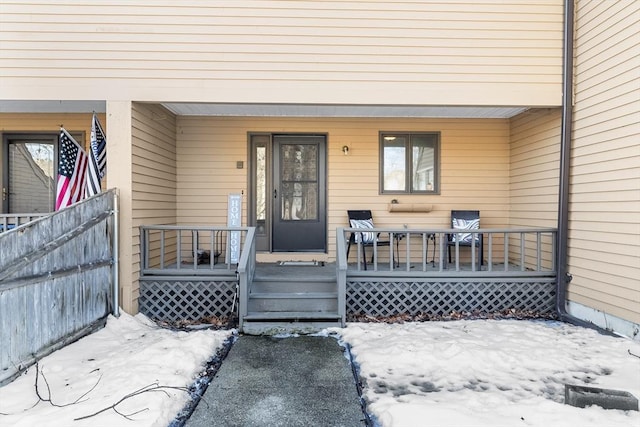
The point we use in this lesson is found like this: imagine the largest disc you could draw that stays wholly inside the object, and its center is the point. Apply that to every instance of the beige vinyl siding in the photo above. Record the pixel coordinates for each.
(77, 124)
(604, 220)
(534, 176)
(474, 164)
(154, 178)
(428, 52)
(534, 168)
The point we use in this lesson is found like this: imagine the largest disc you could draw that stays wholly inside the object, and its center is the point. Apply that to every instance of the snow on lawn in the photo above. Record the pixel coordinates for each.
(130, 353)
(490, 372)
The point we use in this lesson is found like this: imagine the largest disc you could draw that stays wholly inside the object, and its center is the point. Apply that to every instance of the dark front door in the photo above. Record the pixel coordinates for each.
(299, 193)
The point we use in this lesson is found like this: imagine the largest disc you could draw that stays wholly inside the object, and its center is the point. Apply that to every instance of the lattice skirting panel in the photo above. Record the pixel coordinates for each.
(186, 300)
(388, 298)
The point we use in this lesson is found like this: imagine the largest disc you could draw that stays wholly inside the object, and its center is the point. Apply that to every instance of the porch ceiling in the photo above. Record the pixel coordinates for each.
(275, 110)
(305, 110)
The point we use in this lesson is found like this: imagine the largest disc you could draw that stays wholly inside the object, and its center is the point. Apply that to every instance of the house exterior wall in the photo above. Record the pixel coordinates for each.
(153, 194)
(38, 123)
(534, 173)
(604, 211)
(474, 168)
(534, 168)
(350, 52)
(76, 123)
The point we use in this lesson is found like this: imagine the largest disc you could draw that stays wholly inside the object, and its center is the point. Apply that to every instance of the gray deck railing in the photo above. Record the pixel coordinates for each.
(246, 273)
(191, 250)
(11, 221)
(507, 252)
(56, 281)
(413, 276)
(195, 272)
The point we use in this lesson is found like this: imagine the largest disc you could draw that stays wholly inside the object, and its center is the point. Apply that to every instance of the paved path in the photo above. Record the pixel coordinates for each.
(289, 382)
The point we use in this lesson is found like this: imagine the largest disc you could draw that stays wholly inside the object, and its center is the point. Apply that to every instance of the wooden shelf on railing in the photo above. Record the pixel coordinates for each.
(409, 207)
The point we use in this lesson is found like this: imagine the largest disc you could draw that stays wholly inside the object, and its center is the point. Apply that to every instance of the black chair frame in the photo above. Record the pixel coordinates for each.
(364, 215)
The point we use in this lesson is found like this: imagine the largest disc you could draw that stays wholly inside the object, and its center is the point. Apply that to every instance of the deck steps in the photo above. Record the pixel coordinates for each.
(291, 315)
(282, 301)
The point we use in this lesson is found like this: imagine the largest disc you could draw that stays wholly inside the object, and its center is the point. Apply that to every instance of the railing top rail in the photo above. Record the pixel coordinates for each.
(193, 227)
(453, 230)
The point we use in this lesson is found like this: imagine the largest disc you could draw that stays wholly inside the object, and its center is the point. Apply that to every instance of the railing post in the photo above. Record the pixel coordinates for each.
(522, 251)
(341, 274)
(474, 236)
(490, 260)
(506, 251)
(538, 251)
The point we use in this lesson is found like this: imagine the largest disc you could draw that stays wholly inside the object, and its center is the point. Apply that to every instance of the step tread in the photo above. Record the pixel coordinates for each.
(269, 315)
(293, 278)
(293, 295)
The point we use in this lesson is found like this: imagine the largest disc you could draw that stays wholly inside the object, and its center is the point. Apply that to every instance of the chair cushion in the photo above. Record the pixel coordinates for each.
(465, 224)
(366, 236)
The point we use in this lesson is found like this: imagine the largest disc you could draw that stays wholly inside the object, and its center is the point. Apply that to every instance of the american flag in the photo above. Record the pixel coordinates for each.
(72, 167)
(97, 158)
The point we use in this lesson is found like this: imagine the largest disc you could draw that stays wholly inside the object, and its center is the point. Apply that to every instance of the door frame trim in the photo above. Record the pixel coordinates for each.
(251, 207)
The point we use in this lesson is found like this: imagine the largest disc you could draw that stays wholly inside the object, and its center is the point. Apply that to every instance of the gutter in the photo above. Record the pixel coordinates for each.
(564, 278)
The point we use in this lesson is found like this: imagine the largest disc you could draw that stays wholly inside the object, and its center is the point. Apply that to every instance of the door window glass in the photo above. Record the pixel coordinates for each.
(299, 182)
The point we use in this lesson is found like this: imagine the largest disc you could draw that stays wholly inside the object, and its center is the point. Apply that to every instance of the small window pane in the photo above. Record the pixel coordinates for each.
(31, 177)
(261, 183)
(299, 182)
(409, 162)
(394, 163)
(423, 155)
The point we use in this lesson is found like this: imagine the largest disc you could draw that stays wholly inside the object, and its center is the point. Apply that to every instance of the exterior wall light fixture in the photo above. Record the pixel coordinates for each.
(345, 150)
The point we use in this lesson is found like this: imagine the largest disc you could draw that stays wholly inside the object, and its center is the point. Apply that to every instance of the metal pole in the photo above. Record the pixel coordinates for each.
(116, 256)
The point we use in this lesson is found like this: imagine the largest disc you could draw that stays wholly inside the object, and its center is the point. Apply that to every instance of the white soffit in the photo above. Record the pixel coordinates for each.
(297, 110)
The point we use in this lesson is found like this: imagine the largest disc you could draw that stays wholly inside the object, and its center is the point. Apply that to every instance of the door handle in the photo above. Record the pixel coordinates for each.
(275, 194)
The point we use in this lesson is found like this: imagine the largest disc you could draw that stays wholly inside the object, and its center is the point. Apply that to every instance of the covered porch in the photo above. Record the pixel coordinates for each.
(411, 278)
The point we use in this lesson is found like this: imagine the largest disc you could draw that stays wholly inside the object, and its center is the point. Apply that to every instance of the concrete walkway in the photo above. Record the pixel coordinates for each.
(267, 381)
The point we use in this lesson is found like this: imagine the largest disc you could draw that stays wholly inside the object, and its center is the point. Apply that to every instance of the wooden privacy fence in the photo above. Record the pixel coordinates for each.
(56, 281)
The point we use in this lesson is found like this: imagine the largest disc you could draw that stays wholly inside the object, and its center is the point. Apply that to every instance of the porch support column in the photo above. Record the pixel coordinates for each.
(119, 175)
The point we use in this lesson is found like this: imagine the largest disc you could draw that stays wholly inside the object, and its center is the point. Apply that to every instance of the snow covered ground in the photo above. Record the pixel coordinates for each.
(490, 373)
(129, 354)
(459, 373)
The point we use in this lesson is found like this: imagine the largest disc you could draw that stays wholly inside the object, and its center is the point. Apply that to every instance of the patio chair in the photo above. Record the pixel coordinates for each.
(466, 220)
(364, 219)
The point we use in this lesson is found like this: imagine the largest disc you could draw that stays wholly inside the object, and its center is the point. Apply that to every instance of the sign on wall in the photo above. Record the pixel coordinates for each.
(234, 219)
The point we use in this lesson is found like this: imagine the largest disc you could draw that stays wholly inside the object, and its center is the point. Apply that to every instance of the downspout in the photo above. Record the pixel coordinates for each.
(565, 162)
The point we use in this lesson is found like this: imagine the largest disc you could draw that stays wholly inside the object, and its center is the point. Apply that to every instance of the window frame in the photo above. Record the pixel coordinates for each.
(409, 161)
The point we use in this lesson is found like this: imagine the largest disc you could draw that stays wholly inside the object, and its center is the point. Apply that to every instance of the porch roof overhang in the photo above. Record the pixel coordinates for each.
(276, 110)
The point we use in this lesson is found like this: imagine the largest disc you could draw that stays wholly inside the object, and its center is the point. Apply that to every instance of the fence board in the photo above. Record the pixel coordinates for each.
(55, 281)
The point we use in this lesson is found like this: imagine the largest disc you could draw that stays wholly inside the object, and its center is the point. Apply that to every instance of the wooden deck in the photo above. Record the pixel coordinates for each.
(516, 274)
